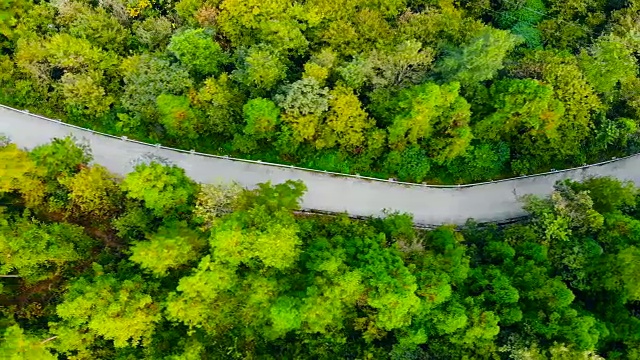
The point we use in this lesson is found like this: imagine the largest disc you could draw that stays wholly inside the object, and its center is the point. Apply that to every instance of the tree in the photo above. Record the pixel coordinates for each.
(84, 93)
(9, 10)
(304, 103)
(61, 157)
(18, 172)
(165, 190)
(405, 64)
(94, 193)
(121, 310)
(96, 25)
(17, 345)
(479, 59)
(608, 63)
(347, 123)
(260, 67)
(37, 251)
(248, 247)
(623, 274)
(409, 164)
(581, 104)
(526, 110)
(197, 51)
(177, 117)
(261, 116)
(215, 200)
(172, 246)
(221, 101)
(87, 70)
(148, 77)
(433, 116)
(154, 32)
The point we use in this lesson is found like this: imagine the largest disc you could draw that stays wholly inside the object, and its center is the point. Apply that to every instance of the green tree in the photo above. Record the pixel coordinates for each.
(153, 32)
(261, 117)
(172, 246)
(261, 68)
(479, 59)
(528, 111)
(433, 116)
(405, 64)
(177, 117)
(35, 251)
(17, 345)
(148, 77)
(96, 25)
(121, 310)
(84, 92)
(197, 51)
(61, 157)
(221, 101)
(347, 124)
(409, 164)
(304, 103)
(9, 11)
(214, 201)
(609, 62)
(94, 193)
(18, 172)
(165, 190)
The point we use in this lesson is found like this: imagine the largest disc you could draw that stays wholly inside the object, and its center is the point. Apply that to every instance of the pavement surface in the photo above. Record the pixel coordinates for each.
(487, 202)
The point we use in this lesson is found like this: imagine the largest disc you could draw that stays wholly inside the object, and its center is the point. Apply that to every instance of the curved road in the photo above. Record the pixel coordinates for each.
(487, 202)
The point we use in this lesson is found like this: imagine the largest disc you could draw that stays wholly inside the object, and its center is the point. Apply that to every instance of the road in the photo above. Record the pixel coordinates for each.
(496, 201)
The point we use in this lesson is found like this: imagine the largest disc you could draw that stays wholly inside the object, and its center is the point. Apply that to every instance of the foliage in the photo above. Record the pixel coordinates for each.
(261, 68)
(17, 345)
(480, 59)
(148, 77)
(433, 116)
(239, 273)
(163, 189)
(93, 192)
(197, 51)
(171, 247)
(105, 306)
(261, 116)
(36, 251)
(342, 75)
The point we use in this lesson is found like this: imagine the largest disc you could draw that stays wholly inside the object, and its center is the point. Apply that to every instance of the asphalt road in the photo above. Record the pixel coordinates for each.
(329, 193)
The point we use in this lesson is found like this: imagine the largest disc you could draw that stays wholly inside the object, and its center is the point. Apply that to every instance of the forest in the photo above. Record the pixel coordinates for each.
(155, 266)
(436, 91)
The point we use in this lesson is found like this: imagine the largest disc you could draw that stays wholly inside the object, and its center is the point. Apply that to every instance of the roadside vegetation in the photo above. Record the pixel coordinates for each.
(418, 90)
(155, 266)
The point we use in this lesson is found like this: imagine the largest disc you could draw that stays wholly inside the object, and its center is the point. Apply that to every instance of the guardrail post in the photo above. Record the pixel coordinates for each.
(192, 151)
(157, 146)
(124, 138)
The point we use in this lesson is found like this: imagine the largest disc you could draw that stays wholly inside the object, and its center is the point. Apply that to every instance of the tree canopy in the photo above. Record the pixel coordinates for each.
(175, 270)
(438, 91)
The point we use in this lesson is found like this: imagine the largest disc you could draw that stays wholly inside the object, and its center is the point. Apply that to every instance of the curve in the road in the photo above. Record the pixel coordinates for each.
(335, 193)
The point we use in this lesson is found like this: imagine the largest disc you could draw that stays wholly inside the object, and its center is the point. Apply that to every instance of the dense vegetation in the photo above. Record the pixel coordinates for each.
(155, 266)
(419, 90)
